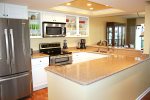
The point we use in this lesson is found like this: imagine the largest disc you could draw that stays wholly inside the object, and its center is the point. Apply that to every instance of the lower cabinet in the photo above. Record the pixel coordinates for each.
(38, 72)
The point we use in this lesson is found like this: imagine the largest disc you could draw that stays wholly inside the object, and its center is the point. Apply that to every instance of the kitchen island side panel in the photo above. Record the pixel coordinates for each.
(125, 85)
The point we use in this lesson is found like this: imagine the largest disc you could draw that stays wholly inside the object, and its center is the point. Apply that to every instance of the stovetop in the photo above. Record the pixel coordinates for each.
(52, 49)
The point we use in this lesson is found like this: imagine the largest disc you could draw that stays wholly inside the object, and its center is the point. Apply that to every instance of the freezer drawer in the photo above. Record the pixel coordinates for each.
(16, 87)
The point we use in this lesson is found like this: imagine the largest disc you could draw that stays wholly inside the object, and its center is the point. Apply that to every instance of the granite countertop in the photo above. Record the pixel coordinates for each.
(39, 55)
(85, 73)
(88, 49)
(93, 48)
(70, 49)
(110, 47)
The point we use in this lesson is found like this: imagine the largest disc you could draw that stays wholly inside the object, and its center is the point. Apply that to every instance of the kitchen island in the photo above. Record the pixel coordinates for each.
(113, 77)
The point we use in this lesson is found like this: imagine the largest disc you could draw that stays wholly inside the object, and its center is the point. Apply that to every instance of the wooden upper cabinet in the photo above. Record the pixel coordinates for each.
(115, 34)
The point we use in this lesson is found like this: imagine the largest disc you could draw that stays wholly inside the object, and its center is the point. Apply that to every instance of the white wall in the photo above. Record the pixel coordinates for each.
(140, 21)
(71, 41)
(97, 31)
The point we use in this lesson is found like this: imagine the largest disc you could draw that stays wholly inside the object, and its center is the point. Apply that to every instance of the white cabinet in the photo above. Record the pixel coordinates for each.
(53, 17)
(38, 72)
(2, 14)
(13, 11)
(77, 26)
(83, 26)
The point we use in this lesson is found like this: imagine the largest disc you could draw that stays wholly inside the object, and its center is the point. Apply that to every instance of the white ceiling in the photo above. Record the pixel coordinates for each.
(124, 6)
(38, 4)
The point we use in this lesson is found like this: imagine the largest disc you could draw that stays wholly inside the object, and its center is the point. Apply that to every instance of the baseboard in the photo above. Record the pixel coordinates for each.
(35, 88)
(143, 94)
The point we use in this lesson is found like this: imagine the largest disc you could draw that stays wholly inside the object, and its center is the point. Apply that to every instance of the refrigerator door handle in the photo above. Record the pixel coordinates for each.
(7, 46)
(2, 80)
(13, 49)
(23, 38)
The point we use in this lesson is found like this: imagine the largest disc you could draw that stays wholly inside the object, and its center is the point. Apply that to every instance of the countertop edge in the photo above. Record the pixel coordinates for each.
(98, 79)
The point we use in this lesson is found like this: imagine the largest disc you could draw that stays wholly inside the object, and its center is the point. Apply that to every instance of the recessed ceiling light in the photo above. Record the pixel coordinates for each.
(91, 8)
(89, 4)
(68, 4)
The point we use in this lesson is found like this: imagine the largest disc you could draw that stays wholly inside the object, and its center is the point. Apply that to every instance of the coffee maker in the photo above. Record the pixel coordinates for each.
(82, 44)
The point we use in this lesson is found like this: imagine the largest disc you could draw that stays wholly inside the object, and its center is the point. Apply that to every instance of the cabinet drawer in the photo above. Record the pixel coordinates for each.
(40, 61)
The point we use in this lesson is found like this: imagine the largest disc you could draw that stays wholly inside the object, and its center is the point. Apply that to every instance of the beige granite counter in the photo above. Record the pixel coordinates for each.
(85, 73)
(96, 48)
(88, 49)
(71, 49)
(38, 55)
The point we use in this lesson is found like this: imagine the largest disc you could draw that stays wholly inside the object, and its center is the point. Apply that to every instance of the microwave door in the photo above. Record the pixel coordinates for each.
(64, 31)
(53, 31)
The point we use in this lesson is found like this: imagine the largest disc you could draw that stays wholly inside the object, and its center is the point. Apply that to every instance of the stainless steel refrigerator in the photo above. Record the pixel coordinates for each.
(15, 59)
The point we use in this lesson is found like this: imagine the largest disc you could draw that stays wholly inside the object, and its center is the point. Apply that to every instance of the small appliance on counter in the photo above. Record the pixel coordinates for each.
(31, 51)
(65, 44)
(54, 29)
(56, 55)
(81, 44)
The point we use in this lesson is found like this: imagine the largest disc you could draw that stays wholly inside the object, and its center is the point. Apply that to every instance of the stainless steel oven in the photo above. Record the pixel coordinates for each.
(60, 59)
(53, 29)
(56, 56)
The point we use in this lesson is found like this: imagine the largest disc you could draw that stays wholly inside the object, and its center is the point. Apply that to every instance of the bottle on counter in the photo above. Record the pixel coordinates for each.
(65, 44)
(31, 51)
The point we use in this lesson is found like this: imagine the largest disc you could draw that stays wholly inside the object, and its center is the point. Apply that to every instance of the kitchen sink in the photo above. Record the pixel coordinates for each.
(86, 56)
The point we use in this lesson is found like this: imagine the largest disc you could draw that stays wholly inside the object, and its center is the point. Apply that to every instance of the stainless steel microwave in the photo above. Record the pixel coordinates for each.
(53, 29)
